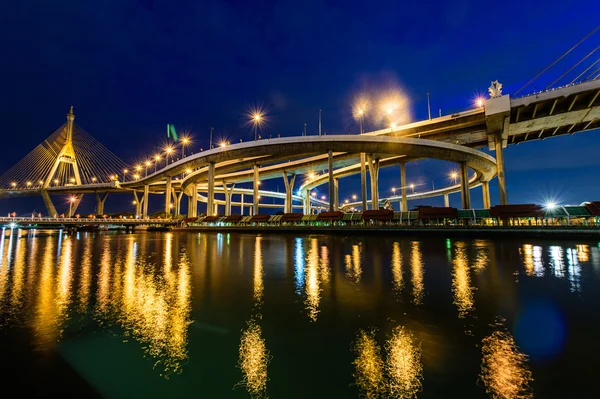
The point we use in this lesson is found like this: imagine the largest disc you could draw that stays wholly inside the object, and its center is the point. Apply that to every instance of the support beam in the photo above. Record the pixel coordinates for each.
(178, 202)
(50, 208)
(404, 204)
(336, 194)
(168, 194)
(100, 200)
(573, 102)
(138, 204)
(485, 188)
(465, 193)
(289, 191)
(331, 183)
(306, 202)
(242, 204)
(210, 204)
(553, 106)
(501, 173)
(374, 174)
(535, 110)
(145, 208)
(593, 99)
(446, 200)
(228, 194)
(363, 180)
(255, 193)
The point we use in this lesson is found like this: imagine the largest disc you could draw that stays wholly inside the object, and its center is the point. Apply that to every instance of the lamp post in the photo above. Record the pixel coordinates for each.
(125, 175)
(156, 158)
(148, 163)
(412, 187)
(184, 142)
(256, 120)
(168, 150)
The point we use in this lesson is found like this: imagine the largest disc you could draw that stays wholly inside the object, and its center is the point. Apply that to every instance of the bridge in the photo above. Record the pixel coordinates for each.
(71, 162)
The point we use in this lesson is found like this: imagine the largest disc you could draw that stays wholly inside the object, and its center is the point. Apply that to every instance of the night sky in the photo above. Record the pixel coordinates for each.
(131, 67)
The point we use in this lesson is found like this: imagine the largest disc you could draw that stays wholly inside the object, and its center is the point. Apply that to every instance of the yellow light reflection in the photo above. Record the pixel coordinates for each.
(312, 288)
(46, 312)
(416, 267)
(18, 275)
(253, 360)
(504, 369)
(583, 252)
(353, 264)
(403, 364)
(258, 272)
(85, 279)
(397, 268)
(461, 281)
(532, 258)
(482, 255)
(152, 305)
(369, 366)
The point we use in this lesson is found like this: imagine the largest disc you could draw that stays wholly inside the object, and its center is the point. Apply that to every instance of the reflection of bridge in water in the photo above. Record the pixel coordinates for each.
(72, 162)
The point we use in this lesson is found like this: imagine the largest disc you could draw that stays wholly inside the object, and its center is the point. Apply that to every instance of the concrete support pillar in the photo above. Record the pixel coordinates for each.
(404, 204)
(374, 174)
(50, 208)
(331, 183)
(193, 201)
(501, 174)
(464, 186)
(306, 202)
(485, 189)
(363, 180)
(177, 200)
(210, 205)
(336, 194)
(168, 194)
(100, 200)
(228, 194)
(139, 201)
(446, 200)
(289, 192)
(145, 208)
(241, 204)
(255, 194)
(216, 209)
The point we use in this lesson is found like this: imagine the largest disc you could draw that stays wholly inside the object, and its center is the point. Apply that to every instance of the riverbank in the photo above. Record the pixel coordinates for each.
(470, 231)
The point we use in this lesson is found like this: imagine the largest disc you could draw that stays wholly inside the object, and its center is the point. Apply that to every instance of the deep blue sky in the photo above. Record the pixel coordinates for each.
(130, 67)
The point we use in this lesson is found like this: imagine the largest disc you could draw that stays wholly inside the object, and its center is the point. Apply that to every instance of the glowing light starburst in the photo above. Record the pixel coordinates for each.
(361, 107)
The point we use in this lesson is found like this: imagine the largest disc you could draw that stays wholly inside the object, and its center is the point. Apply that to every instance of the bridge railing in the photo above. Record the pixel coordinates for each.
(34, 220)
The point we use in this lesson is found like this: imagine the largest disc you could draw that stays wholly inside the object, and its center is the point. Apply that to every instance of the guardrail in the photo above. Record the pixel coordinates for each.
(27, 220)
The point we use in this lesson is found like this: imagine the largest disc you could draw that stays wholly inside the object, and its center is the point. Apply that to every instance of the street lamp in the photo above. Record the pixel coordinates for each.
(125, 174)
(168, 150)
(412, 187)
(148, 163)
(394, 190)
(184, 143)
(454, 176)
(257, 119)
(156, 158)
(28, 184)
(94, 179)
(13, 184)
(55, 182)
(346, 201)
(136, 176)
(323, 197)
(353, 197)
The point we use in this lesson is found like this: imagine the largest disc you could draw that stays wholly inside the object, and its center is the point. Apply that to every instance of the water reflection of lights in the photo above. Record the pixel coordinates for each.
(253, 360)
(574, 270)
(482, 256)
(532, 258)
(85, 278)
(313, 290)
(399, 376)
(504, 369)
(397, 268)
(258, 272)
(369, 366)
(556, 260)
(583, 253)
(416, 267)
(403, 364)
(299, 266)
(461, 281)
(353, 264)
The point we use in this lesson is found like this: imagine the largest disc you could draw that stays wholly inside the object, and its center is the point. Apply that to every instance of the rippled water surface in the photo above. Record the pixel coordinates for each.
(285, 316)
